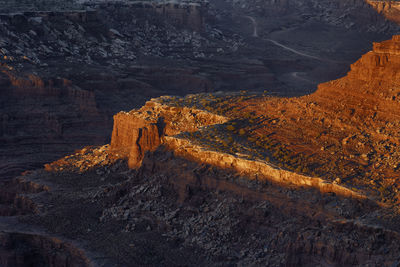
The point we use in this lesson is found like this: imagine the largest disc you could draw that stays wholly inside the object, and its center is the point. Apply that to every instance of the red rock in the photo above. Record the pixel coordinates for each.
(133, 136)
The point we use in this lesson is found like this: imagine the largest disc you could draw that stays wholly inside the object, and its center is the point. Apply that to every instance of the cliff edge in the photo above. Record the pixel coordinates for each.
(340, 139)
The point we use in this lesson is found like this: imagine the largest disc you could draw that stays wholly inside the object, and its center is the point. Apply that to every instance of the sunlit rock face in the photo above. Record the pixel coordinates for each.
(133, 136)
(346, 130)
(390, 9)
(139, 131)
(371, 85)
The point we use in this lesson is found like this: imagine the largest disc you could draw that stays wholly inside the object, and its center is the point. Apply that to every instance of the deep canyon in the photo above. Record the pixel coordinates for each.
(220, 133)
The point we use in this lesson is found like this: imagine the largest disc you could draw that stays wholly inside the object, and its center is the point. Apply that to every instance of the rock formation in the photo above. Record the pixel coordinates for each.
(134, 136)
(370, 88)
(223, 178)
(390, 9)
(141, 130)
(39, 113)
(189, 15)
(354, 119)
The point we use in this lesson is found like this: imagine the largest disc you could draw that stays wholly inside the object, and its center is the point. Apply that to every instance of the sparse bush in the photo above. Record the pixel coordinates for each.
(230, 128)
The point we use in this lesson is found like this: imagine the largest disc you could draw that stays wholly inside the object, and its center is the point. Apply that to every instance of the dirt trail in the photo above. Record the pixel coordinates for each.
(294, 50)
(255, 34)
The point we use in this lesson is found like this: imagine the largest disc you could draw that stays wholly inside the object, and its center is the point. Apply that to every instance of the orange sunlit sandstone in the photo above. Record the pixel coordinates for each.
(346, 132)
(141, 130)
(390, 9)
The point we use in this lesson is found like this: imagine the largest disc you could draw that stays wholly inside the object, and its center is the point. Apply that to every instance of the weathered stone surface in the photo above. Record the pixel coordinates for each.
(133, 136)
(390, 9)
(260, 170)
(372, 80)
(368, 100)
(139, 131)
(19, 249)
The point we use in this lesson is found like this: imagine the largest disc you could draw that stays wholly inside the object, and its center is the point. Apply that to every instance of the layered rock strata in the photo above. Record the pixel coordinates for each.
(142, 130)
(343, 133)
(155, 124)
(390, 9)
(175, 211)
(43, 118)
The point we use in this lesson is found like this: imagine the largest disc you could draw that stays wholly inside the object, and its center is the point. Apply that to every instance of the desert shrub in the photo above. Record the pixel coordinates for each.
(230, 127)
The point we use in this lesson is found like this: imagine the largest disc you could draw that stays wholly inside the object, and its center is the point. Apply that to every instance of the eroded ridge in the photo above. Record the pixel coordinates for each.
(142, 130)
(341, 139)
(298, 180)
(390, 9)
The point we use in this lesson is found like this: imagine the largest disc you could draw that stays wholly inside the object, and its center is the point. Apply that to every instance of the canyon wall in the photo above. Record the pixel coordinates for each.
(371, 87)
(259, 170)
(42, 118)
(365, 103)
(155, 124)
(133, 135)
(190, 15)
(390, 9)
(142, 130)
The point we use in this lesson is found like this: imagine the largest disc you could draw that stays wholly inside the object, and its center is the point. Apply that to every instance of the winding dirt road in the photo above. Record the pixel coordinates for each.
(255, 34)
(294, 50)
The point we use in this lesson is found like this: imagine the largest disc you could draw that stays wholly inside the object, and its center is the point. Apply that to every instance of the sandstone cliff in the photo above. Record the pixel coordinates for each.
(299, 181)
(184, 14)
(371, 86)
(343, 133)
(390, 9)
(141, 130)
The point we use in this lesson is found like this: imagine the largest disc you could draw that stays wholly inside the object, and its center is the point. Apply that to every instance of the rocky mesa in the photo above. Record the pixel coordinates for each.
(343, 133)
(300, 181)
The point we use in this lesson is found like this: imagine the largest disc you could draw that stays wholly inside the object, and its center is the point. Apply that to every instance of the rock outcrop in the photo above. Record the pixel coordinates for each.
(349, 127)
(142, 130)
(133, 136)
(253, 169)
(343, 133)
(390, 9)
(155, 124)
(40, 114)
(21, 249)
(371, 88)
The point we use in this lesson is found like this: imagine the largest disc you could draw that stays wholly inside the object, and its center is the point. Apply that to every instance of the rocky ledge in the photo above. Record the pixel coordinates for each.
(341, 139)
(390, 9)
(155, 124)
(229, 179)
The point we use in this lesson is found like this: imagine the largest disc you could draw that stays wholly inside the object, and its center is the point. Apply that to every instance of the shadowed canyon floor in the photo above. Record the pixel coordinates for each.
(227, 179)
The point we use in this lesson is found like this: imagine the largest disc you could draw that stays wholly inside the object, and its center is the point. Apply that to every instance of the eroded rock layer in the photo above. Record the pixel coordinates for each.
(141, 130)
(43, 118)
(299, 181)
(345, 133)
(348, 129)
(390, 9)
